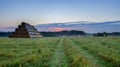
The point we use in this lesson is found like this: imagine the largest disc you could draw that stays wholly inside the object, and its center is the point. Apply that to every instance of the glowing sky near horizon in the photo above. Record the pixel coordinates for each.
(13, 12)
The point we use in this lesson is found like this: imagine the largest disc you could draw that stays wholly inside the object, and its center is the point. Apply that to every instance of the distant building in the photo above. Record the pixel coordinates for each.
(25, 30)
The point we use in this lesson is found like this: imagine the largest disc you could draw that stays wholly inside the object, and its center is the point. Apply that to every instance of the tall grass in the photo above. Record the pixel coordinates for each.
(107, 49)
(60, 52)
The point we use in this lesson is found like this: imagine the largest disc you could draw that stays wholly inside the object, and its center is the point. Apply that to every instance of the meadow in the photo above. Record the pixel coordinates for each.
(60, 52)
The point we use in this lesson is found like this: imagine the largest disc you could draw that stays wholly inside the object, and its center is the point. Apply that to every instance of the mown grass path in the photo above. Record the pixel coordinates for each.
(59, 58)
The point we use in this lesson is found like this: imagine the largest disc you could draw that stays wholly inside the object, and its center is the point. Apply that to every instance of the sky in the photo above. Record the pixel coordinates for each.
(13, 12)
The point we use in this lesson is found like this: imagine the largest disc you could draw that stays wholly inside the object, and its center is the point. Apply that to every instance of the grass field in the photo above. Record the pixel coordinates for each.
(60, 52)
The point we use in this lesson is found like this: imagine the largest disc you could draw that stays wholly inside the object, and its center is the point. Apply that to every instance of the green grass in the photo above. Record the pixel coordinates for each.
(60, 52)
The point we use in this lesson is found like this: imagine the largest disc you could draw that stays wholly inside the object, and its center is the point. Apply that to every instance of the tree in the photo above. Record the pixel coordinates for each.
(104, 34)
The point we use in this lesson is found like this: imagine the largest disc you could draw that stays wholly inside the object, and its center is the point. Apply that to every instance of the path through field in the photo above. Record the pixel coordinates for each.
(60, 52)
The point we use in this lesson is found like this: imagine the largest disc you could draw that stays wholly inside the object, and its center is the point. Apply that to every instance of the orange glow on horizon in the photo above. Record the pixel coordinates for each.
(58, 29)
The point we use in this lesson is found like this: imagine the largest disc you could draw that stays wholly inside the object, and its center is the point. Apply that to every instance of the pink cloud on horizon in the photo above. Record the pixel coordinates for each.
(57, 29)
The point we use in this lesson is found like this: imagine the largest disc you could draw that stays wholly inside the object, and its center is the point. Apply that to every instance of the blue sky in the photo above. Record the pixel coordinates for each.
(13, 12)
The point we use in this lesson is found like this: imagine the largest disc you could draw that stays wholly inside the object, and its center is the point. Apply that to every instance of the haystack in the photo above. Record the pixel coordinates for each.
(25, 30)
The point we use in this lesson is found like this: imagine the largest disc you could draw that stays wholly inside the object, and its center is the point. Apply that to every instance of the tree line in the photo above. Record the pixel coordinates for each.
(52, 34)
(67, 33)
